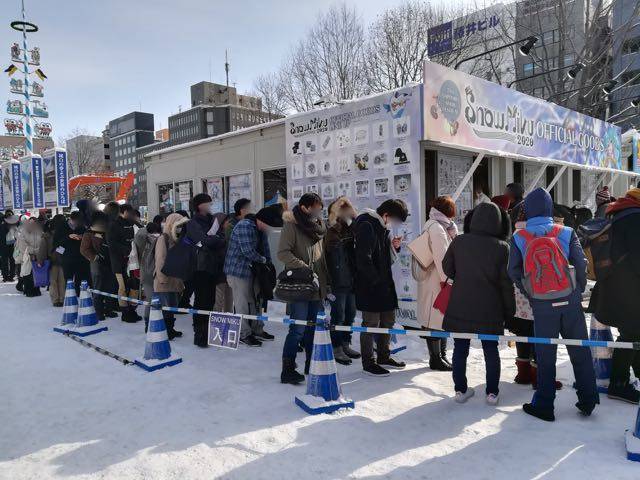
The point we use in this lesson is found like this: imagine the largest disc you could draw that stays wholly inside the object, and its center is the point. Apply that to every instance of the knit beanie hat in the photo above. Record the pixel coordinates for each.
(271, 215)
(199, 199)
(603, 196)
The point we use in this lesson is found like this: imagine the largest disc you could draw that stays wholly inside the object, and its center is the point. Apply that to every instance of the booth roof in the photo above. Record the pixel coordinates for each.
(222, 136)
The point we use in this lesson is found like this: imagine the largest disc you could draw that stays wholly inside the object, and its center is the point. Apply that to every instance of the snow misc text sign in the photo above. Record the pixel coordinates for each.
(224, 330)
(367, 150)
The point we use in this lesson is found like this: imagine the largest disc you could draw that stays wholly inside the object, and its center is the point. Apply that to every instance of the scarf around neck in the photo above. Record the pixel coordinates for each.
(311, 227)
(630, 200)
(448, 224)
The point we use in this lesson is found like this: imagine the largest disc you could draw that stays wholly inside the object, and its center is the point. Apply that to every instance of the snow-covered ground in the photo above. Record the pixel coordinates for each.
(68, 412)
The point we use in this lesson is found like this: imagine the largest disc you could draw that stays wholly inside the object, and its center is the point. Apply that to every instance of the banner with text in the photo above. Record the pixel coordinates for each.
(464, 110)
(369, 151)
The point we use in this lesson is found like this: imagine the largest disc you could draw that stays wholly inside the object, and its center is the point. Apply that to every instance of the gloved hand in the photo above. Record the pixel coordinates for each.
(331, 297)
(316, 281)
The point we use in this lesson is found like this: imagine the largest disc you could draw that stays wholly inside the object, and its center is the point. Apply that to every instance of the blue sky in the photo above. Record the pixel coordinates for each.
(107, 58)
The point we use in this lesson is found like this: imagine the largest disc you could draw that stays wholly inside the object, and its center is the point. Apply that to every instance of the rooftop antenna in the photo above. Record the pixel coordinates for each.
(226, 66)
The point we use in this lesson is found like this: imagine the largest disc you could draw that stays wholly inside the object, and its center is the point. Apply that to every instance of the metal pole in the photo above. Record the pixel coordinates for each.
(467, 177)
(536, 179)
(595, 186)
(556, 178)
(27, 105)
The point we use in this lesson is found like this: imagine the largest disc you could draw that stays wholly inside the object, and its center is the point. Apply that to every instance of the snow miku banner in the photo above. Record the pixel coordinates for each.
(475, 114)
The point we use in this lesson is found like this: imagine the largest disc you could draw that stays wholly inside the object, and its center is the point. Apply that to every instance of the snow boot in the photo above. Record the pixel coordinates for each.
(525, 372)
(443, 353)
(289, 374)
(586, 408)
(340, 356)
(391, 363)
(545, 414)
(129, 315)
(351, 353)
(534, 378)
(435, 359)
(623, 391)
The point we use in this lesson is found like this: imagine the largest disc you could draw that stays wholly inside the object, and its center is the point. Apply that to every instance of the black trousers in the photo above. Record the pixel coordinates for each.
(76, 269)
(7, 263)
(104, 280)
(623, 360)
(204, 289)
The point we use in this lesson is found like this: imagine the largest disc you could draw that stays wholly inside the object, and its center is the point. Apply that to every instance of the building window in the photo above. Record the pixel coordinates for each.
(527, 69)
(569, 59)
(209, 116)
(209, 129)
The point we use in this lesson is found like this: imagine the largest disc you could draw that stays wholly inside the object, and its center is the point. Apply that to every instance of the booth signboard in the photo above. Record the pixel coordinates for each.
(464, 111)
(367, 150)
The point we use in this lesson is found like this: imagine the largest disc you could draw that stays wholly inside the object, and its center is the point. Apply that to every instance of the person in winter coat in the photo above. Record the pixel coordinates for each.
(375, 289)
(147, 263)
(615, 300)
(95, 249)
(29, 244)
(248, 246)
(208, 268)
(241, 209)
(46, 251)
(168, 289)
(481, 297)
(431, 246)
(515, 193)
(224, 294)
(301, 246)
(341, 260)
(67, 240)
(120, 235)
(562, 316)
(603, 199)
(8, 232)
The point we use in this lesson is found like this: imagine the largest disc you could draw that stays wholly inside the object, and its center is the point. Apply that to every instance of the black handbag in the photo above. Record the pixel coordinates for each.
(181, 260)
(265, 275)
(296, 285)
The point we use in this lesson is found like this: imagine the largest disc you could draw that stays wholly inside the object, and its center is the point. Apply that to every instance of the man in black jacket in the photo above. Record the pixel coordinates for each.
(119, 237)
(375, 289)
(66, 241)
(8, 231)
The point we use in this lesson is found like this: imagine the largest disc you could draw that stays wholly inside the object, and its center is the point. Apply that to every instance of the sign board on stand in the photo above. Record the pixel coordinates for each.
(224, 330)
(369, 151)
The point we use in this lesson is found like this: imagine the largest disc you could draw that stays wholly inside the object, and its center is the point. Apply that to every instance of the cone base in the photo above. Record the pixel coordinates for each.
(86, 331)
(633, 446)
(152, 365)
(317, 405)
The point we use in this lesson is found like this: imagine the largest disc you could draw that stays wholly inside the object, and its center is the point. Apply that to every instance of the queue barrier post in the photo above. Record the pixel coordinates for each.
(86, 320)
(323, 393)
(157, 352)
(69, 309)
(602, 356)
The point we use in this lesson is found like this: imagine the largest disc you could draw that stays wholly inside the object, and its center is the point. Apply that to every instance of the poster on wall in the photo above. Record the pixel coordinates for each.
(215, 190)
(367, 150)
(451, 172)
(274, 186)
(471, 113)
(239, 187)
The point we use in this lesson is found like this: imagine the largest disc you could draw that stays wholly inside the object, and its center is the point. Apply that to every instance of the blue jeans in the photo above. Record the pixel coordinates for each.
(307, 311)
(343, 312)
(491, 360)
(569, 323)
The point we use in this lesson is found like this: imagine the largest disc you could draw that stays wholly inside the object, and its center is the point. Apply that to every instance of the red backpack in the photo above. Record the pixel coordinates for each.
(547, 272)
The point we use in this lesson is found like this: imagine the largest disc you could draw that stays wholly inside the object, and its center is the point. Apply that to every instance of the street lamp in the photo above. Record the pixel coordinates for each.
(607, 89)
(524, 49)
(635, 103)
(609, 86)
(575, 69)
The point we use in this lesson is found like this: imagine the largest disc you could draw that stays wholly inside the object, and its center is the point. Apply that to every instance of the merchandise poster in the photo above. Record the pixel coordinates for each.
(369, 151)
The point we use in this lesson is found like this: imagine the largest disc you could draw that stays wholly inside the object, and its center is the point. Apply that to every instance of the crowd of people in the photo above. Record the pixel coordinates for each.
(516, 267)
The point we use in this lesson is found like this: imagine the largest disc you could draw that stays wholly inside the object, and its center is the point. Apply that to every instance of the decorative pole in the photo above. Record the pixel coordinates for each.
(27, 106)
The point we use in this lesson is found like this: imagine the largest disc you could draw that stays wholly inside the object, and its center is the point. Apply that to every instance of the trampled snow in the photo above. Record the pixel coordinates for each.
(67, 411)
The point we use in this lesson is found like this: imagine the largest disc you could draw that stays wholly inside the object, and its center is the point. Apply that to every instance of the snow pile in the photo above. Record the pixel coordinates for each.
(68, 412)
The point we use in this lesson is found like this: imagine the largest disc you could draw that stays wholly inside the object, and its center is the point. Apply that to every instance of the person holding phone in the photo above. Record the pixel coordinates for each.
(66, 242)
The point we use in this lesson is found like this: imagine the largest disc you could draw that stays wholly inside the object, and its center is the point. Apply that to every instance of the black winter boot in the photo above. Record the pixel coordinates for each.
(289, 373)
(443, 353)
(623, 391)
(545, 414)
(435, 359)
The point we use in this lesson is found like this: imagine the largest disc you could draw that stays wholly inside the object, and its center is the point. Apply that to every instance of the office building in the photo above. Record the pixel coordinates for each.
(626, 64)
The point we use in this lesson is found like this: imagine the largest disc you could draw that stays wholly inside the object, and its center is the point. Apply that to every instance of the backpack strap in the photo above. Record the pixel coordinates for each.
(526, 235)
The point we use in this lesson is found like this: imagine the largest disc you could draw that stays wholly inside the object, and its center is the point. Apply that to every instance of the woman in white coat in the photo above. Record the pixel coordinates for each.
(428, 250)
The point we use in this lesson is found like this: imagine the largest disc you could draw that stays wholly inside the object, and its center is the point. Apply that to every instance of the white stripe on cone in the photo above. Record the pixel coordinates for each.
(154, 337)
(322, 367)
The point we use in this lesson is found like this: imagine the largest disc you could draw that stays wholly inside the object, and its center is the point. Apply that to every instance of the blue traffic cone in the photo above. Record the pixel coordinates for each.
(157, 352)
(87, 322)
(323, 389)
(601, 355)
(632, 440)
(69, 309)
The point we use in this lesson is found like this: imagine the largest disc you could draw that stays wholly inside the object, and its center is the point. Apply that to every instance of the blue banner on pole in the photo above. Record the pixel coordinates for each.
(16, 185)
(224, 330)
(38, 181)
(62, 179)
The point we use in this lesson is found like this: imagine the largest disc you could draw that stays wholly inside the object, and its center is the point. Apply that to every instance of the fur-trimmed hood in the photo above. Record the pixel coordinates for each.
(336, 206)
(289, 217)
(171, 224)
